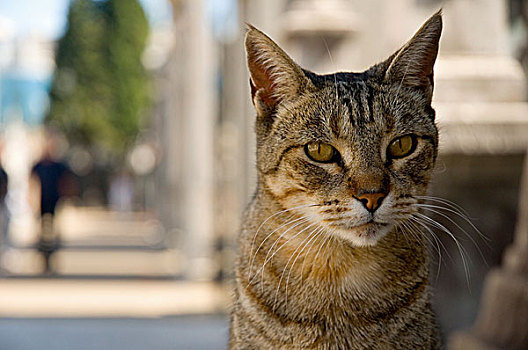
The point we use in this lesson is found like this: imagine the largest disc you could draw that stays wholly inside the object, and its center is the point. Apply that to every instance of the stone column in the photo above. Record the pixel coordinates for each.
(501, 322)
(198, 157)
(190, 117)
(482, 110)
(324, 45)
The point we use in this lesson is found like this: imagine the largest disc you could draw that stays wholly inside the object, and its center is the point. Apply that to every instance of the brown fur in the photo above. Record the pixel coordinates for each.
(316, 268)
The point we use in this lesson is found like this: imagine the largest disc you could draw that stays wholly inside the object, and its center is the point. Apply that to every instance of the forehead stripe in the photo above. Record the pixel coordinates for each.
(360, 105)
(348, 104)
(370, 102)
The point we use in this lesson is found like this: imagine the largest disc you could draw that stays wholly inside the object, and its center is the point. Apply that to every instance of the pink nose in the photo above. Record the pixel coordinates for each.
(371, 201)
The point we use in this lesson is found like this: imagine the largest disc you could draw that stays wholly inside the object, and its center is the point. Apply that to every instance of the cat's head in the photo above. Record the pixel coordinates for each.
(351, 150)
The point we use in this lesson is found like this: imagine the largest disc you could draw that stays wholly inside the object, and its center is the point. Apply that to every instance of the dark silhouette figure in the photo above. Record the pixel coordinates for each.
(4, 213)
(3, 184)
(55, 180)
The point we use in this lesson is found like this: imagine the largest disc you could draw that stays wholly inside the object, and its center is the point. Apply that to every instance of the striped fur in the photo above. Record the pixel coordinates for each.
(315, 268)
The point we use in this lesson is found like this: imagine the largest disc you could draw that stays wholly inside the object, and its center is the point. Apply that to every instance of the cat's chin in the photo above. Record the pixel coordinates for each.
(365, 235)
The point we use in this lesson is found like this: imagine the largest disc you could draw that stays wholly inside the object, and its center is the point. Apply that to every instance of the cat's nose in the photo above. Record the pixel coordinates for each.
(371, 201)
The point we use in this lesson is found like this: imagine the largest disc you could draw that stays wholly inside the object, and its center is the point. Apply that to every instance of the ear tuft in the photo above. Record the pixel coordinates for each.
(413, 64)
(274, 76)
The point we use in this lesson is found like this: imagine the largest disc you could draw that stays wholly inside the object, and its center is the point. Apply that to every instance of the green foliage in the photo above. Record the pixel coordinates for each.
(100, 91)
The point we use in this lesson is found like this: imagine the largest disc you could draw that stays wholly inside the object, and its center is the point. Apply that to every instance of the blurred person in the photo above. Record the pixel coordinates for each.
(52, 179)
(4, 213)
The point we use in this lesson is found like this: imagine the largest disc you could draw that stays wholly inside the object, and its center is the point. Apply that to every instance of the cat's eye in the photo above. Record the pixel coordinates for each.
(401, 147)
(321, 152)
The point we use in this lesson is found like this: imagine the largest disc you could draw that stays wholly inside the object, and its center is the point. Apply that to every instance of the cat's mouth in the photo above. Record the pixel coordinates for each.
(370, 222)
(368, 228)
(350, 225)
(365, 234)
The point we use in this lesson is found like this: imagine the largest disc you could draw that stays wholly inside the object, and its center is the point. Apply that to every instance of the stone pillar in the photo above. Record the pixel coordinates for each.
(324, 45)
(198, 146)
(479, 88)
(501, 322)
(235, 181)
(482, 109)
(189, 115)
(476, 26)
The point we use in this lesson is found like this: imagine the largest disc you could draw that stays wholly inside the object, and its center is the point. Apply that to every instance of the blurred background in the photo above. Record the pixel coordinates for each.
(127, 156)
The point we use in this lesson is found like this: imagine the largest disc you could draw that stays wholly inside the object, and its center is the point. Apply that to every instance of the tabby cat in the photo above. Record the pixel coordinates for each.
(326, 258)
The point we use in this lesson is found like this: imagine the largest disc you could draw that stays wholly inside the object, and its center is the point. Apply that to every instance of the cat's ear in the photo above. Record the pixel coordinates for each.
(413, 64)
(274, 76)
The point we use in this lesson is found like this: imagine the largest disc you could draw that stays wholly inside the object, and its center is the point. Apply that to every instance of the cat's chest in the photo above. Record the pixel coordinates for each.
(348, 291)
(325, 321)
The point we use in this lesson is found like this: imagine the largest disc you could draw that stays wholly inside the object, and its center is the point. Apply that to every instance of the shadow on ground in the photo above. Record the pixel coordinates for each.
(170, 333)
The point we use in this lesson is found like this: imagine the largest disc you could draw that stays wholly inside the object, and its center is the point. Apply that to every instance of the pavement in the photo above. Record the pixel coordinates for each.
(96, 242)
(80, 298)
(204, 332)
(115, 288)
(78, 314)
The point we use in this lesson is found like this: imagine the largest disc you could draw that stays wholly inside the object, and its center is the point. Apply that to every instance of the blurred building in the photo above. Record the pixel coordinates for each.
(26, 66)
(26, 69)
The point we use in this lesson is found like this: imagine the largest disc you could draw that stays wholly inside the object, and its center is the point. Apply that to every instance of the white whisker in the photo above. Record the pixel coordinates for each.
(300, 220)
(463, 253)
(288, 262)
(335, 68)
(437, 243)
(272, 216)
(321, 234)
(298, 223)
(326, 240)
(456, 212)
(447, 202)
(428, 207)
(399, 86)
(295, 260)
(268, 257)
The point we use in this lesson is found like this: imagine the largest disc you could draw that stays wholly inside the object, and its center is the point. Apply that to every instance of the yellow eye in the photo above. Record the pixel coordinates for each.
(401, 146)
(321, 152)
